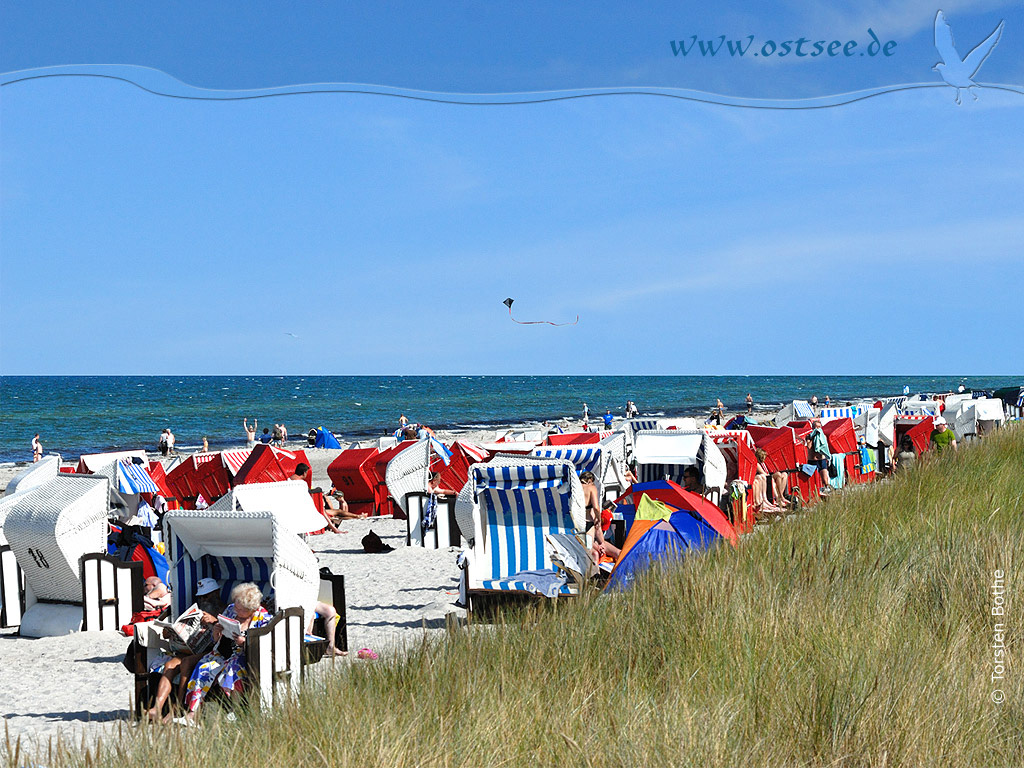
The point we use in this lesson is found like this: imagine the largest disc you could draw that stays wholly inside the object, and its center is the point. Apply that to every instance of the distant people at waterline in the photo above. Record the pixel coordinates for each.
(607, 419)
(166, 442)
(37, 449)
(266, 437)
(750, 404)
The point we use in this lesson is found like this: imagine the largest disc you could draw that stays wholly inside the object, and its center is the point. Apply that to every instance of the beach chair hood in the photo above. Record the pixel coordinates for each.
(238, 546)
(289, 501)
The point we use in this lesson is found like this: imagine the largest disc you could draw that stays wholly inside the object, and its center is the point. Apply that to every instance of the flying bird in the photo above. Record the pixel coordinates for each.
(508, 303)
(288, 333)
(958, 72)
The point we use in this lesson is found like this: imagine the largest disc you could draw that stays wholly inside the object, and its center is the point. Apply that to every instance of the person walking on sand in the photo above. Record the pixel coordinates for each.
(170, 443)
(586, 413)
(607, 419)
(250, 433)
(750, 404)
(37, 449)
(276, 437)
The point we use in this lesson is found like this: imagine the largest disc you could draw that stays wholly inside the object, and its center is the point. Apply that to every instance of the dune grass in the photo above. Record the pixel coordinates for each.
(855, 635)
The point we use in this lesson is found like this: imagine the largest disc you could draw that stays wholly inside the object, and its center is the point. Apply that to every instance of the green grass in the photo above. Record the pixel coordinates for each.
(856, 635)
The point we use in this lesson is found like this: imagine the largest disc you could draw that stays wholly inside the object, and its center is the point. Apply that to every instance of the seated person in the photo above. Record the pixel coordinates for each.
(330, 616)
(691, 480)
(762, 481)
(156, 595)
(301, 472)
(434, 486)
(226, 666)
(181, 664)
(336, 509)
(601, 547)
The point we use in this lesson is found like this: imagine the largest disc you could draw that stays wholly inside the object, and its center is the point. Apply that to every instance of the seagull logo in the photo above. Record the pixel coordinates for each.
(958, 72)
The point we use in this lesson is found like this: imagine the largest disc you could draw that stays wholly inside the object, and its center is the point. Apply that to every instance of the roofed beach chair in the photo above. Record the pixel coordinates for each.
(505, 510)
(233, 547)
(49, 529)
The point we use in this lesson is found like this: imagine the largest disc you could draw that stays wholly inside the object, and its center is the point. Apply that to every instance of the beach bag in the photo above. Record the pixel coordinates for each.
(373, 544)
(833, 470)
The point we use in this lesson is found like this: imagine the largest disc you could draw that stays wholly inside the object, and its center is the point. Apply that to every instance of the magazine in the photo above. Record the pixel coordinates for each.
(232, 629)
(187, 634)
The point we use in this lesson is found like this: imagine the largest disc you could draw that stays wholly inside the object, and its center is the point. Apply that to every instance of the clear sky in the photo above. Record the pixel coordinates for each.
(144, 234)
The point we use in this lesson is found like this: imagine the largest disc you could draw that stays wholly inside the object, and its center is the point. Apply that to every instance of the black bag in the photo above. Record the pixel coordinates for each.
(833, 470)
(373, 544)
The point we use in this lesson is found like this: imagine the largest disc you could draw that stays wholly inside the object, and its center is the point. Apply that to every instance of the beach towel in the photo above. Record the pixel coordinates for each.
(430, 514)
(543, 582)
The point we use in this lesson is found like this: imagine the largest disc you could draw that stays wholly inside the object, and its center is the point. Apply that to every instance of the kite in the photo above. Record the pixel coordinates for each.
(508, 303)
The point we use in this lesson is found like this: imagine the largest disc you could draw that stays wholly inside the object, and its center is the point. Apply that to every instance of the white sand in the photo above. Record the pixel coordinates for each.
(76, 684)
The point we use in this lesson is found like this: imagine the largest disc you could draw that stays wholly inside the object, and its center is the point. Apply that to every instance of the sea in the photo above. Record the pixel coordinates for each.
(75, 415)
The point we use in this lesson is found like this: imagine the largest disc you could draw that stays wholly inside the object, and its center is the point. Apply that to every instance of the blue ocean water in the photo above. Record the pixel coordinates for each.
(86, 414)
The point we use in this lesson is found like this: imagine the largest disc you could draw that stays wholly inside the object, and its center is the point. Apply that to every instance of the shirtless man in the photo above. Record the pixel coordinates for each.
(37, 449)
(593, 505)
(250, 433)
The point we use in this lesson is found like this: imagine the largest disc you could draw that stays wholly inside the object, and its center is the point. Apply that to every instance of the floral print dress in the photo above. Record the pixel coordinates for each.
(229, 673)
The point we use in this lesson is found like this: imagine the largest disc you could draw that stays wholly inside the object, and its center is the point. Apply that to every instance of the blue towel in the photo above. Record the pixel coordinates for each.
(546, 582)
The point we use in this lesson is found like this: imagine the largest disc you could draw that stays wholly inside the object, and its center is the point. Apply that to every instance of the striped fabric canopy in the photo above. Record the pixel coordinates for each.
(586, 458)
(521, 504)
(730, 436)
(234, 460)
(134, 478)
(852, 412)
(474, 450)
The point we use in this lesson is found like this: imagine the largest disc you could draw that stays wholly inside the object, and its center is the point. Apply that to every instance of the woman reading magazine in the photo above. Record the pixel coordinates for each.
(226, 665)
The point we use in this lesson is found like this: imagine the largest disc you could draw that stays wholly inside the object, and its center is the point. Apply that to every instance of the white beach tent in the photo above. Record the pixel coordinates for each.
(289, 501)
(795, 410)
(49, 529)
(921, 405)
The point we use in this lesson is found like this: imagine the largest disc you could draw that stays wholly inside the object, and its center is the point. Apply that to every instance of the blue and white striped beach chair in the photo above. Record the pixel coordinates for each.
(511, 505)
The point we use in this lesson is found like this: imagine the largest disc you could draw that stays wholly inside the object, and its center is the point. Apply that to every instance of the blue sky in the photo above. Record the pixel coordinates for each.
(143, 234)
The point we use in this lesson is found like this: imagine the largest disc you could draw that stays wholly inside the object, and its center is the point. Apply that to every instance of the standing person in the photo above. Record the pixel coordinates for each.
(250, 433)
(162, 443)
(266, 437)
(170, 442)
(814, 403)
(607, 419)
(633, 411)
(750, 404)
(601, 547)
(942, 436)
(828, 401)
(284, 433)
(818, 453)
(206, 445)
(276, 435)
(37, 449)
(402, 421)
(586, 413)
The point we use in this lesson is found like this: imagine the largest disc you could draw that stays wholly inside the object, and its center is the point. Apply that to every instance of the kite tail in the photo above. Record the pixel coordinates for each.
(541, 322)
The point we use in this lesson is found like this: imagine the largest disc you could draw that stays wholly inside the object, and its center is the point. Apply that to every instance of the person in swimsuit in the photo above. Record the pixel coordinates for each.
(250, 433)
(601, 547)
(37, 449)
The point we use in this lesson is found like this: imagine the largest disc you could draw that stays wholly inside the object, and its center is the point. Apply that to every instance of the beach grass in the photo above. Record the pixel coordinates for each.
(857, 634)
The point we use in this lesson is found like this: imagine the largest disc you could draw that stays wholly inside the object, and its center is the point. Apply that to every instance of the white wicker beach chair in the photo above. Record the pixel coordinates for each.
(34, 475)
(407, 473)
(49, 529)
(510, 505)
